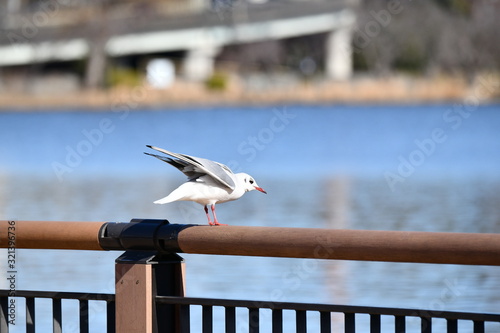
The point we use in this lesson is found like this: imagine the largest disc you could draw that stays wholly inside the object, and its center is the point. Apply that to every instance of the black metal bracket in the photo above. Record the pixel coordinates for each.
(148, 258)
(159, 236)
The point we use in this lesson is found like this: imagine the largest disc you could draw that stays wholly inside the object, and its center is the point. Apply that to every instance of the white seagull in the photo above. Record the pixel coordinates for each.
(208, 182)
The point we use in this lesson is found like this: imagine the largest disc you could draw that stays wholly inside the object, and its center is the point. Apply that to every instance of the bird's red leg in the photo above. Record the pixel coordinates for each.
(208, 216)
(215, 217)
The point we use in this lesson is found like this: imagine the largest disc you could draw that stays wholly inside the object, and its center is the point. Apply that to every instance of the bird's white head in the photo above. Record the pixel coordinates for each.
(248, 183)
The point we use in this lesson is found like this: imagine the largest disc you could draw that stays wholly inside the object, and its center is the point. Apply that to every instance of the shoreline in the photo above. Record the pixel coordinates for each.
(392, 90)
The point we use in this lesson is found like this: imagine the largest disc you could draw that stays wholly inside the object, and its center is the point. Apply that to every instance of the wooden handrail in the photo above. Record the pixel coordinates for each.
(60, 235)
(368, 245)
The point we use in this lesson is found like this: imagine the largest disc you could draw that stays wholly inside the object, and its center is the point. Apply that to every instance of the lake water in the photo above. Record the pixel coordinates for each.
(397, 167)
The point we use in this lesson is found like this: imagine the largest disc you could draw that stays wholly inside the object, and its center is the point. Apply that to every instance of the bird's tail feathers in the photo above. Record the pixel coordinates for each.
(163, 201)
(174, 196)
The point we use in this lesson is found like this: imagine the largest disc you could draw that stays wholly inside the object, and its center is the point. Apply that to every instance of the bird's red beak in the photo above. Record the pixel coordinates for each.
(260, 189)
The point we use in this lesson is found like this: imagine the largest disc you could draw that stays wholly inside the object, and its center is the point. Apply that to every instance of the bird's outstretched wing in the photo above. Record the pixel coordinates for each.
(195, 167)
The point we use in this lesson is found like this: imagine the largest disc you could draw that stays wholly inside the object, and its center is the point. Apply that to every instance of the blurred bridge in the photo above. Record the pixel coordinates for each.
(201, 34)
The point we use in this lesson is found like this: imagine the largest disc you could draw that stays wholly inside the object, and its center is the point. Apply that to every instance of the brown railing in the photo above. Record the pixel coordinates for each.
(160, 236)
(150, 292)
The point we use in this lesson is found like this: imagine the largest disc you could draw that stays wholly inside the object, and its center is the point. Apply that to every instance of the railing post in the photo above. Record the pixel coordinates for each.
(140, 276)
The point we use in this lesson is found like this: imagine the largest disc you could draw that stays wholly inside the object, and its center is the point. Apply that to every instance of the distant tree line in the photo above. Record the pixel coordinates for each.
(427, 36)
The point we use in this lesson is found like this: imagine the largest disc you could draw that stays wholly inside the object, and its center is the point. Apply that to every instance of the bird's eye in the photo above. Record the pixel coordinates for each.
(251, 181)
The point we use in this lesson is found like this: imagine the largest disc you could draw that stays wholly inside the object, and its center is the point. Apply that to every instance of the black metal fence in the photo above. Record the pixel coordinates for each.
(324, 319)
(255, 321)
(7, 298)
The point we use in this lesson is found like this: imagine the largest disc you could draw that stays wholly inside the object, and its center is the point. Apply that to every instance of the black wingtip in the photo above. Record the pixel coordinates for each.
(149, 146)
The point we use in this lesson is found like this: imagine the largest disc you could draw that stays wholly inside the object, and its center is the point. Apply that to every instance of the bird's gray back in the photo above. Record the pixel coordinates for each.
(195, 167)
(216, 169)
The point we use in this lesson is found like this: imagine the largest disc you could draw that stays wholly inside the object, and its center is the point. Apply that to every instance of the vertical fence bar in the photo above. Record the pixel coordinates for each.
(207, 319)
(300, 321)
(277, 318)
(84, 316)
(56, 315)
(325, 322)
(426, 324)
(400, 324)
(451, 326)
(253, 320)
(110, 317)
(375, 324)
(30, 315)
(230, 319)
(349, 323)
(185, 319)
(4, 314)
(478, 326)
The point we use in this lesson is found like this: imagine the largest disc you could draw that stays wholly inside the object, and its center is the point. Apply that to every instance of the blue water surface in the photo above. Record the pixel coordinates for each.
(385, 167)
(269, 140)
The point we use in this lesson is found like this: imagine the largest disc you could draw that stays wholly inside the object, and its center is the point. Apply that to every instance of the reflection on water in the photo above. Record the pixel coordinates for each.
(325, 169)
(450, 205)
